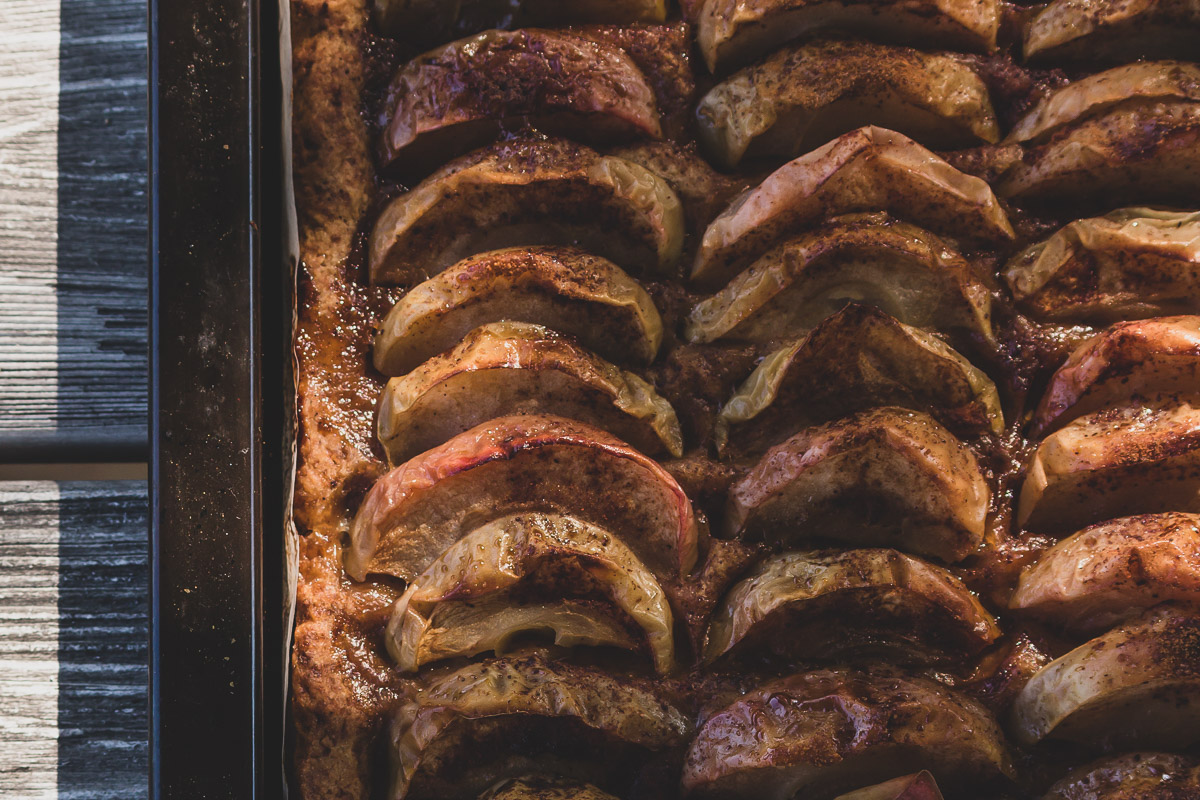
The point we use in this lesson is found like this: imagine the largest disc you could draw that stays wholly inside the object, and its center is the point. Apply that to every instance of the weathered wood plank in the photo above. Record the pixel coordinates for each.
(73, 612)
(73, 255)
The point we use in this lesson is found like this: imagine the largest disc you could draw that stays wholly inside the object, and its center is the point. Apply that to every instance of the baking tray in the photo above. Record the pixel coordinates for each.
(220, 318)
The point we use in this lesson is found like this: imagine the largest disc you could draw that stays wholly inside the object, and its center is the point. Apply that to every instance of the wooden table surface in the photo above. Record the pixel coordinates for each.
(73, 363)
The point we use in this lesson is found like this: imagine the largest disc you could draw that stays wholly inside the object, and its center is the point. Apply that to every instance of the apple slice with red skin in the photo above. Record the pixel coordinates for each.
(413, 18)
(461, 95)
(507, 368)
(1136, 459)
(563, 288)
(921, 786)
(566, 559)
(1132, 776)
(835, 605)
(1131, 263)
(1122, 364)
(804, 95)
(469, 728)
(528, 192)
(884, 477)
(869, 169)
(1112, 31)
(1138, 685)
(1136, 152)
(521, 463)
(1113, 570)
(872, 259)
(430, 21)
(819, 733)
(731, 33)
(856, 359)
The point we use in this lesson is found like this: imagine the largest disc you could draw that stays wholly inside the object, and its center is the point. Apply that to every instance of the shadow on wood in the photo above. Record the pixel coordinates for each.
(100, 402)
(102, 640)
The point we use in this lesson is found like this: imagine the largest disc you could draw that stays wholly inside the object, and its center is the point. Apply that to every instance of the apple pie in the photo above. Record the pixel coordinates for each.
(747, 399)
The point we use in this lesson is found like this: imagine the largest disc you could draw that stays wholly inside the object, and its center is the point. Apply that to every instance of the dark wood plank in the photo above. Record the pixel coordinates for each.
(73, 256)
(73, 640)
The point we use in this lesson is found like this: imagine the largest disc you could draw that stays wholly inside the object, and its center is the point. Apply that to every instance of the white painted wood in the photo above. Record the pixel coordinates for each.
(29, 640)
(73, 575)
(29, 49)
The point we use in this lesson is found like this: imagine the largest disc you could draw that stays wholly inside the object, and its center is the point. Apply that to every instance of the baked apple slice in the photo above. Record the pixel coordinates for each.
(1112, 30)
(888, 476)
(565, 289)
(462, 95)
(837, 605)
(468, 729)
(1113, 570)
(869, 169)
(556, 12)
(1146, 81)
(543, 787)
(1139, 459)
(520, 368)
(569, 557)
(871, 259)
(1127, 362)
(1136, 686)
(1128, 264)
(819, 733)
(515, 464)
(856, 359)
(1141, 152)
(1132, 776)
(425, 20)
(804, 95)
(921, 786)
(528, 192)
(505, 621)
(731, 33)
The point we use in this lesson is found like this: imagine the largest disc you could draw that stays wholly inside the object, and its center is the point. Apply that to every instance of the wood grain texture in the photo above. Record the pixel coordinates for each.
(73, 255)
(73, 640)
(28, 214)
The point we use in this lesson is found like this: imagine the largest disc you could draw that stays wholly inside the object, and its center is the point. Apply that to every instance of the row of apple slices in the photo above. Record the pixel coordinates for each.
(919, 786)
(589, 84)
(1135, 684)
(816, 733)
(1130, 132)
(1129, 263)
(731, 33)
(913, 274)
(1122, 428)
(597, 87)
(533, 192)
(522, 500)
(422, 19)
(1102, 457)
(1110, 133)
(1122, 440)
(537, 191)
(458, 97)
